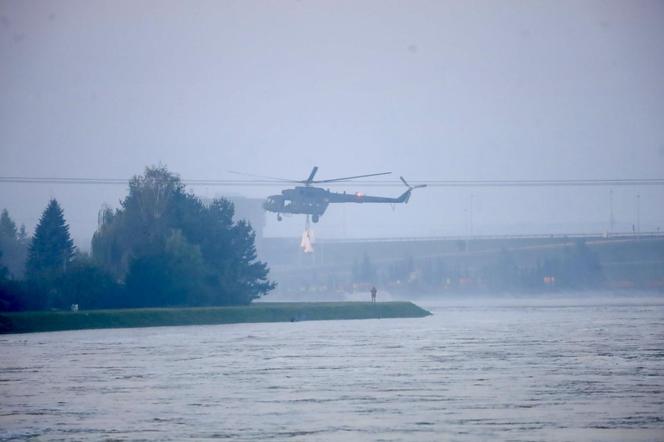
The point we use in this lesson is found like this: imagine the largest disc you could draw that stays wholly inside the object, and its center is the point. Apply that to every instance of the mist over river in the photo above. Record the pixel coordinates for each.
(482, 370)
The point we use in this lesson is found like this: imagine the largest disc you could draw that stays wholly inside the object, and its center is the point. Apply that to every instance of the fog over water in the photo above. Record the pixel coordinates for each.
(428, 90)
(431, 90)
(509, 370)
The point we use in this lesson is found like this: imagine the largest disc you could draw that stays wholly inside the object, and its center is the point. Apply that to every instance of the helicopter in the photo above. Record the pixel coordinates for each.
(309, 200)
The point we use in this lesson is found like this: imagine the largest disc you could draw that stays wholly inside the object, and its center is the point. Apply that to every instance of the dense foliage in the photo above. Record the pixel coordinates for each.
(50, 252)
(171, 249)
(162, 247)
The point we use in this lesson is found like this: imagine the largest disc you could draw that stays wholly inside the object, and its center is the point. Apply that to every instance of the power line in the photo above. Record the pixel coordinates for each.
(368, 183)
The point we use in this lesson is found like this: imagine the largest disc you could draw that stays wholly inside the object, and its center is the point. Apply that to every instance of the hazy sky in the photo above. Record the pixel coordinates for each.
(426, 89)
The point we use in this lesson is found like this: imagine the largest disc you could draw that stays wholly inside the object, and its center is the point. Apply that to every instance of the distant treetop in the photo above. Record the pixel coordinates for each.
(51, 248)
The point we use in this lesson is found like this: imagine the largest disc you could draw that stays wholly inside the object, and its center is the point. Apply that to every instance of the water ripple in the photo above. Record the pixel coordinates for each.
(564, 372)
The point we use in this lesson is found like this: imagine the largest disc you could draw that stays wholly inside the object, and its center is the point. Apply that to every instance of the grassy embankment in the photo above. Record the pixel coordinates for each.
(41, 321)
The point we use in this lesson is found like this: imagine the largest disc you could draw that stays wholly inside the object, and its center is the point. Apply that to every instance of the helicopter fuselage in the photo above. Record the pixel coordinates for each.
(309, 200)
(299, 200)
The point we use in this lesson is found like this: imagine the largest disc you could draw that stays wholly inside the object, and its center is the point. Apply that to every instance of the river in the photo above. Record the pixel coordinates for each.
(512, 369)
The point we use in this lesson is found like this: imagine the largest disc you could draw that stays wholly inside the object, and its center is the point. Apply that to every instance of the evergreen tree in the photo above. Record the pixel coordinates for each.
(22, 235)
(51, 249)
(4, 272)
(7, 225)
(13, 246)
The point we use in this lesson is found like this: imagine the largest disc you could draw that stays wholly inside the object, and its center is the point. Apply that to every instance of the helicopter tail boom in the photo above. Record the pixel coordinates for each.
(404, 197)
(362, 198)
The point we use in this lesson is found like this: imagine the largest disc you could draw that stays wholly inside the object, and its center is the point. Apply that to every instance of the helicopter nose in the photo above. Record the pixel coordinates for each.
(271, 205)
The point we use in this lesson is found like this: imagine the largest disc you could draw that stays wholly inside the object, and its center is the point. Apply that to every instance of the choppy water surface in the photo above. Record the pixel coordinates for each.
(509, 371)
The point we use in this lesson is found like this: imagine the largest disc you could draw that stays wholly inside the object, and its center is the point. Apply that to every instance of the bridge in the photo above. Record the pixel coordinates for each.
(627, 260)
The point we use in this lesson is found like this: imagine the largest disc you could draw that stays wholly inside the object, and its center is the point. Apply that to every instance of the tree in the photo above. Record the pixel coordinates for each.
(13, 245)
(88, 285)
(581, 267)
(7, 225)
(171, 249)
(52, 248)
(174, 276)
(140, 226)
(10, 291)
(4, 272)
(503, 272)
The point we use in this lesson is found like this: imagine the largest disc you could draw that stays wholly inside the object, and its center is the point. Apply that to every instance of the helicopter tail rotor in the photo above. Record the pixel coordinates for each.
(418, 186)
(406, 195)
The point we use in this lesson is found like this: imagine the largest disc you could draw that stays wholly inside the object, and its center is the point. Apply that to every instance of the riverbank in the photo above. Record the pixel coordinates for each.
(44, 321)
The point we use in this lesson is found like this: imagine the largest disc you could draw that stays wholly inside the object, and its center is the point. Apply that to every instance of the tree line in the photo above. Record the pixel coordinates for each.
(577, 267)
(162, 247)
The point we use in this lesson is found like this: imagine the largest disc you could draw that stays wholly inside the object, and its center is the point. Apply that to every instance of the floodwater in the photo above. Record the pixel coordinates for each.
(509, 370)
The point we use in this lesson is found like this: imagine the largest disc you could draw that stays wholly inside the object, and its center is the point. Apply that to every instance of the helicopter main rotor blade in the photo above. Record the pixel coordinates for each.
(350, 177)
(284, 180)
(310, 178)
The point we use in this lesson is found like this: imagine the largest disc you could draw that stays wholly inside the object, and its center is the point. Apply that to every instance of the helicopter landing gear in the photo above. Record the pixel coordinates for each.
(314, 218)
(279, 218)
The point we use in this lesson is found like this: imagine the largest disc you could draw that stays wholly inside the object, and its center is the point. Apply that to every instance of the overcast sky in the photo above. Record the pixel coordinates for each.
(428, 90)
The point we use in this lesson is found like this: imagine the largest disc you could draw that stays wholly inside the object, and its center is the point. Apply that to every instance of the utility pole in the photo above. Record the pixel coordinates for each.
(638, 213)
(471, 214)
(612, 219)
